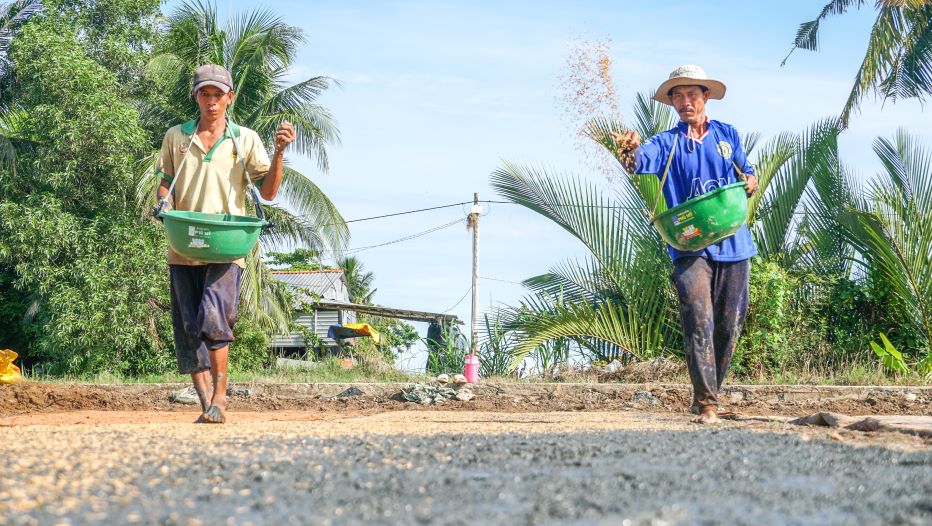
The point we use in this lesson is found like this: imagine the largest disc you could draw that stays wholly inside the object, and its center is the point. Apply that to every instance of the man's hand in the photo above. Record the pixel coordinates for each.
(750, 184)
(628, 143)
(283, 137)
(159, 209)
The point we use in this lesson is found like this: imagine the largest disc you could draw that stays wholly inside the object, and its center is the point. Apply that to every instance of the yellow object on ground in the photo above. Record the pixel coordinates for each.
(9, 373)
(366, 330)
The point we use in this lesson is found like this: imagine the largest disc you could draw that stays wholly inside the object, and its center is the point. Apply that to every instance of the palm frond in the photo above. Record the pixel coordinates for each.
(892, 229)
(315, 128)
(264, 300)
(307, 201)
(628, 265)
(882, 50)
(11, 137)
(652, 117)
(539, 320)
(577, 281)
(912, 72)
(749, 142)
(288, 230)
(834, 192)
(785, 167)
(577, 207)
(807, 36)
(12, 16)
(600, 130)
(147, 182)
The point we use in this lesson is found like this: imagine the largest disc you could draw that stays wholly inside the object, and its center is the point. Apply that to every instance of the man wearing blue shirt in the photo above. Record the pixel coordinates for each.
(712, 284)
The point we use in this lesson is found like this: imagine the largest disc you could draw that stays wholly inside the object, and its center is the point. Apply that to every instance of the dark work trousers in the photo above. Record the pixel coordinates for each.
(713, 304)
(204, 301)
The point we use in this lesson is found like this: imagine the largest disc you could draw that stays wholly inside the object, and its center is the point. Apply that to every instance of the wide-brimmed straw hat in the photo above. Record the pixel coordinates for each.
(689, 75)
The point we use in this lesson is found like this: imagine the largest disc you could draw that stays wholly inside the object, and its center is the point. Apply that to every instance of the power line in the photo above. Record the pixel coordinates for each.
(497, 202)
(408, 212)
(406, 238)
(460, 301)
(762, 210)
(502, 280)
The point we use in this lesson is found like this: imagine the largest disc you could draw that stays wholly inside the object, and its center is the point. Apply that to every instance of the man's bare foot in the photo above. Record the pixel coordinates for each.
(707, 416)
(202, 419)
(214, 415)
(219, 401)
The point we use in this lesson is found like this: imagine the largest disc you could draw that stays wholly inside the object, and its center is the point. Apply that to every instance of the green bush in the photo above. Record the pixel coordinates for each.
(765, 345)
(249, 352)
(91, 289)
(447, 348)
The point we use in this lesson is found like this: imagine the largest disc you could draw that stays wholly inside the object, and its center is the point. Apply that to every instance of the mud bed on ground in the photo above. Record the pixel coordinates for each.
(23, 398)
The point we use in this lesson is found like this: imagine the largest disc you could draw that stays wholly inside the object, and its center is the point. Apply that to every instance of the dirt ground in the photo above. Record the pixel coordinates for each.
(31, 398)
(33, 404)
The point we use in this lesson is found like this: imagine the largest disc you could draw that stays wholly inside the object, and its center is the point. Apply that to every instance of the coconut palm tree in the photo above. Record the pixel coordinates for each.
(258, 48)
(898, 62)
(358, 279)
(620, 302)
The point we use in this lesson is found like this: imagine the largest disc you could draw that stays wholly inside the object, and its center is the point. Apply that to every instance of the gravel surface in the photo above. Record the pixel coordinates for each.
(454, 468)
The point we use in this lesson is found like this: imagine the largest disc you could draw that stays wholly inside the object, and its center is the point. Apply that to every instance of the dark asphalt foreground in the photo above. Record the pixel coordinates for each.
(291, 473)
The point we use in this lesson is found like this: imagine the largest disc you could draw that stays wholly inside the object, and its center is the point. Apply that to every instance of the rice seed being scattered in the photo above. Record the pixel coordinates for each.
(588, 92)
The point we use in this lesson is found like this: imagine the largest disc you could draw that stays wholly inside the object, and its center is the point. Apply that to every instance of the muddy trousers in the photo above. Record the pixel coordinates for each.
(713, 305)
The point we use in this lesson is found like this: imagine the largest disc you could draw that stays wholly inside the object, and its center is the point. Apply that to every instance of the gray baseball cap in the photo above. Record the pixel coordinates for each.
(212, 75)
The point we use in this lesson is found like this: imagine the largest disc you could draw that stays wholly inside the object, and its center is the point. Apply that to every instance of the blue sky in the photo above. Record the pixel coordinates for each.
(435, 95)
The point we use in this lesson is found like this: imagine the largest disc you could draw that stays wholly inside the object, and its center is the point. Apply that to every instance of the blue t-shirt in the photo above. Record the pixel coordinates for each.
(699, 166)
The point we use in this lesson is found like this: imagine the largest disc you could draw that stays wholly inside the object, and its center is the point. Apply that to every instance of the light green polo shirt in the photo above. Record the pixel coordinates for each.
(211, 181)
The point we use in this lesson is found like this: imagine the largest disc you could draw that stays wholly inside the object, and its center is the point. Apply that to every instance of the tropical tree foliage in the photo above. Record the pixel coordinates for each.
(75, 260)
(12, 16)
(898, 61)
(890, 229)
(358, 279)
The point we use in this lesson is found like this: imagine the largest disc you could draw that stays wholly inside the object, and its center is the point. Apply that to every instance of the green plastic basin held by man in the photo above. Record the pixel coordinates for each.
(211, 238)
(704, 220)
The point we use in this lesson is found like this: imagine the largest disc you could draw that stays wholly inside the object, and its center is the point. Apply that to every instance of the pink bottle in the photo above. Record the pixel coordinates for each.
(471, 368)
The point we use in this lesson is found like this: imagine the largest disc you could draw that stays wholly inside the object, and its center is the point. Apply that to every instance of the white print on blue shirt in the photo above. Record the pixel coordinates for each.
(698, 188)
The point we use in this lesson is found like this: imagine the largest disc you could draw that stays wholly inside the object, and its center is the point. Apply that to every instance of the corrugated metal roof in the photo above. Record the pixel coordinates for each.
(330, 284)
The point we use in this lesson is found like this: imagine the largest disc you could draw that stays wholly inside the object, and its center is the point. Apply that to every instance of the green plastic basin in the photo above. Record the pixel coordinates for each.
(211, 238)
(704, 220)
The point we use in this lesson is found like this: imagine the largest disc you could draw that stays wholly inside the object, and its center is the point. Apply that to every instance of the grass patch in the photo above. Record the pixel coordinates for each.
(374, 369)
(857, 374)
(327, 370)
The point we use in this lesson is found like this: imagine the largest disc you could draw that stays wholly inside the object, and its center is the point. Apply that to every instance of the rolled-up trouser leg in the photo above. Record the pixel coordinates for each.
(218, 304)
(204, 301)
(693, 279)
(730, 300)
(187, 288)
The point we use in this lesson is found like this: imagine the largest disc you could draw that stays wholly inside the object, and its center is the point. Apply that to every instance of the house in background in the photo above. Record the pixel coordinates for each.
(333, 307)
(330, 285)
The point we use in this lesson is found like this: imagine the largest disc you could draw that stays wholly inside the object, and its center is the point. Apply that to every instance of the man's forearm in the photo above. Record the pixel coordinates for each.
(162, 190)
(273, 179)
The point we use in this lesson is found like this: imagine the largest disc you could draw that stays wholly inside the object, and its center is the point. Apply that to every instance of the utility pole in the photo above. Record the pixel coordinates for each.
(474, 224)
